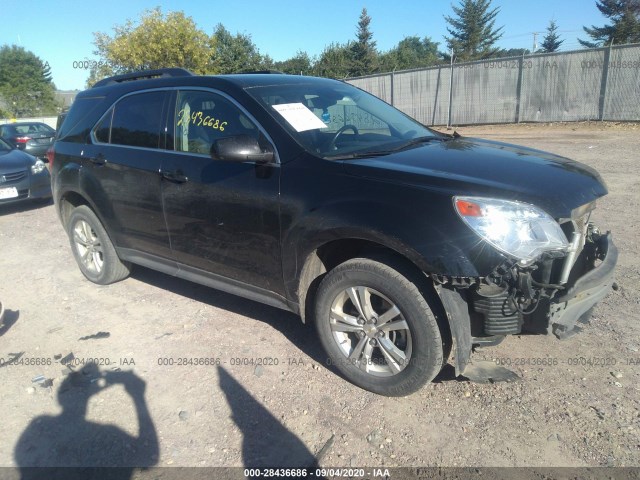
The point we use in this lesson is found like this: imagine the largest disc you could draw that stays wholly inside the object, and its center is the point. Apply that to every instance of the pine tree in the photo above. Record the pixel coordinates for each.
(625, 26)
(472, 31)
(551, 42)
(364, 48)
(26, 88)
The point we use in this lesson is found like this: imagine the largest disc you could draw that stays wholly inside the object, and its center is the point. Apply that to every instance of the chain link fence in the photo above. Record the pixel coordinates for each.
(595, 84)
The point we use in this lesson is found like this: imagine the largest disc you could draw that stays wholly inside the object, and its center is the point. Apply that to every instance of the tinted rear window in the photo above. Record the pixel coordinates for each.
(137, 119)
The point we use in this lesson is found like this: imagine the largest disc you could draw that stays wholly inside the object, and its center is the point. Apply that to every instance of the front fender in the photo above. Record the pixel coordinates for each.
(322, 202)
(431, 238)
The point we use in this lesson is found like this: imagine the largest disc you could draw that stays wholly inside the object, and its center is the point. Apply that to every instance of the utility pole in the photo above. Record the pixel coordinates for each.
(450, 90)
(535, 42)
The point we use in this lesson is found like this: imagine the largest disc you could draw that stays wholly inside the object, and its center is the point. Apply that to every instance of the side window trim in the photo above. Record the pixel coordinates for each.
(167, 120)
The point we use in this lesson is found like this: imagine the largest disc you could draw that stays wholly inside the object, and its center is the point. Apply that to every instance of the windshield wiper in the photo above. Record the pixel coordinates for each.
(387, 151)
(367, 154)
(416, 141)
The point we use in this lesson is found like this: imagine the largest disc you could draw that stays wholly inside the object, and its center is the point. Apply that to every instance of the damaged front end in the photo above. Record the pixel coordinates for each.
(549, 294)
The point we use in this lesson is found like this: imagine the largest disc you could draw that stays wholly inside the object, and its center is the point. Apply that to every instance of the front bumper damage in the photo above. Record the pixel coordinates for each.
(577, 302)
(485, 311)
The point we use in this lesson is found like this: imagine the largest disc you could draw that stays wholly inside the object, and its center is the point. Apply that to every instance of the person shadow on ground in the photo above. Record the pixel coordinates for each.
(266, 442)
(69, 447)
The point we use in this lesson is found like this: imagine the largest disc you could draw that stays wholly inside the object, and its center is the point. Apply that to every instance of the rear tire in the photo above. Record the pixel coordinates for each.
(377, 328)
(92, 248)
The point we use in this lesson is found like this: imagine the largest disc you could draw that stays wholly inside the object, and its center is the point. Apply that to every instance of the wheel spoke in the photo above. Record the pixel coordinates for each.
(365, 364)
(353, 295)
(79, 231)
(88, 232)
(361, 298)
(344, 327)
(97, 261)
(342, 322)
(390, 314)
(357, 351)
(398, 325)
(85, 231)
(365, 296)
(395, 357)
(78, 239)
(338, 316)
(87, 258)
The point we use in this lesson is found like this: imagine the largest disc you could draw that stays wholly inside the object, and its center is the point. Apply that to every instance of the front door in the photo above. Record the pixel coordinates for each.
(222, 216)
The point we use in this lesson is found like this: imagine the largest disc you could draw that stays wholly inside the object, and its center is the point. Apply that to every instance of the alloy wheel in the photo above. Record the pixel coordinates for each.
(88, 246)
(370, 331)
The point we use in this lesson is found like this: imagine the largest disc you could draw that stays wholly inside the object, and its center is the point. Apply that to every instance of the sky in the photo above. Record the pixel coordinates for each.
(63, 33)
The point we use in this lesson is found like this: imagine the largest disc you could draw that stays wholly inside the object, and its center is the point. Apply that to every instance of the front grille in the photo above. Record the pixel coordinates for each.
(12, 177)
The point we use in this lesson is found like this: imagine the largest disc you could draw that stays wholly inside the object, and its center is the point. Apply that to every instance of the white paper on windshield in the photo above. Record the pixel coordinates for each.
(299, 116)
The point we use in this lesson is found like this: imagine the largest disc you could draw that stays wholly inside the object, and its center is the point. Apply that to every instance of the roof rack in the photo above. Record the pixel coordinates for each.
(144, 74)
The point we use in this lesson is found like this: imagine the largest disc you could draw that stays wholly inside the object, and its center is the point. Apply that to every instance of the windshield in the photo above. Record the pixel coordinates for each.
(335, 120)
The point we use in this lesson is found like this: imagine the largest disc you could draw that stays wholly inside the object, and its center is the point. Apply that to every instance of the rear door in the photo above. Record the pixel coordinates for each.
(223, 216)
(122, 173)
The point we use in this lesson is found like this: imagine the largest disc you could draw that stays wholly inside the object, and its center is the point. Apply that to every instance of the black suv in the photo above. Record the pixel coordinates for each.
(314, 196)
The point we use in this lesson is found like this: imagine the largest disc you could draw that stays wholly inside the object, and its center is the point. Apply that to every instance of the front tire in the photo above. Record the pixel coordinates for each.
(377, 328)
(92, 248)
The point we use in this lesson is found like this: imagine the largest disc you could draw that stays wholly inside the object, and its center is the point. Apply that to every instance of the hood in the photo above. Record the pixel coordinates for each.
(15, 160)
(468, 166)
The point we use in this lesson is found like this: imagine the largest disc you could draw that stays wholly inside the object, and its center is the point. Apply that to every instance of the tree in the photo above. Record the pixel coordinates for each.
(299, 64)
(235, 53)
(472, 30)
(155, 41)
(551, 41)
(364, 48)
(26, 88)
(336, 61)
(625, 26)
(511, 52)
(411, 52)
(267, 63)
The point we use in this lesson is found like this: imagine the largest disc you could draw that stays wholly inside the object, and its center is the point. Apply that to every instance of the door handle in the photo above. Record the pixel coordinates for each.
(176, 176)
(99, 159)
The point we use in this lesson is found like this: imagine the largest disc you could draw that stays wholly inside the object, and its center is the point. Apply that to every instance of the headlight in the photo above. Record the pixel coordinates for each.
(517, 229)
(38, 167)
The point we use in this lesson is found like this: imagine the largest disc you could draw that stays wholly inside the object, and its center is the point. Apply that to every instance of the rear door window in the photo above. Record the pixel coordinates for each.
(136, 121)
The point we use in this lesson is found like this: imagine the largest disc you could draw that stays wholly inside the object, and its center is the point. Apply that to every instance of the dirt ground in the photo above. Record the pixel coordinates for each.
(189, 376)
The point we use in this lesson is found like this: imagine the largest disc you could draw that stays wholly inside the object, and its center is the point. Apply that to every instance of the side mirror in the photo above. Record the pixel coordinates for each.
(240, 148)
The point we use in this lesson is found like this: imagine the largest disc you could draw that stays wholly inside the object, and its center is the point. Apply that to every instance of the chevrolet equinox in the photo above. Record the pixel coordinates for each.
(401, 244)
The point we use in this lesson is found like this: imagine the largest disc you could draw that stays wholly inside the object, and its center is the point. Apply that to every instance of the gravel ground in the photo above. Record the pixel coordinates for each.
(189, 376)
